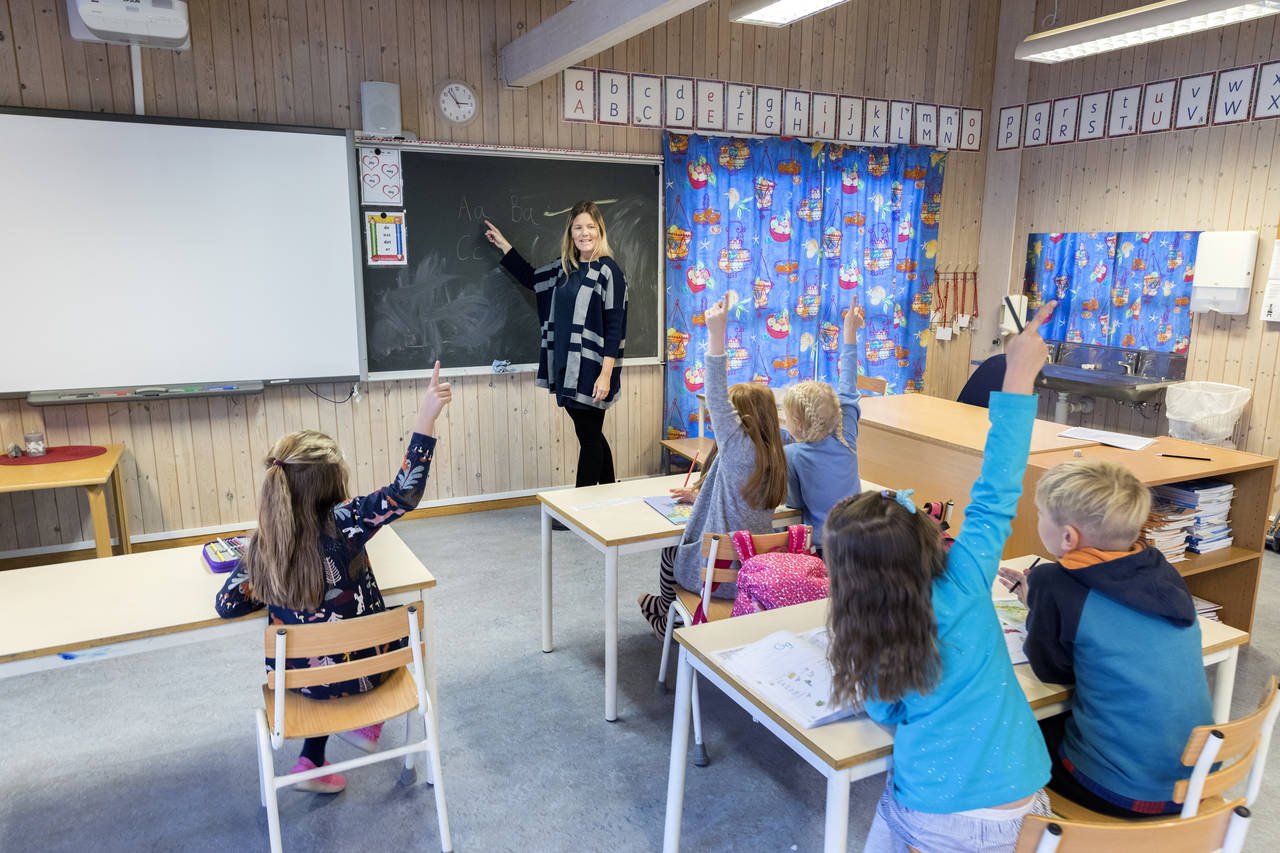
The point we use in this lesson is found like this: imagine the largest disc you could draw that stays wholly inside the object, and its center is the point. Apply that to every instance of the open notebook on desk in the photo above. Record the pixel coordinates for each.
(791, 672)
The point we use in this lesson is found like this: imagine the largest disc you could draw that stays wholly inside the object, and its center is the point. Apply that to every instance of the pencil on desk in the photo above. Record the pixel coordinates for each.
(691, 465)
(1179, 456)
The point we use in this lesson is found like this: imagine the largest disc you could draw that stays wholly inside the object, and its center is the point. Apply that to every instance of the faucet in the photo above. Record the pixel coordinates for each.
(1132, 363)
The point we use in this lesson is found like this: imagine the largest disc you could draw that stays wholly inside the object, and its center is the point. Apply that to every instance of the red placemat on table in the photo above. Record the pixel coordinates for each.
(65, 453)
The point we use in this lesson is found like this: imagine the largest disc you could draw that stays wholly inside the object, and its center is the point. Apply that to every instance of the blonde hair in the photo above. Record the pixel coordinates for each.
(568, 251)
(813, 412)
(1103, 500)
(306, 477)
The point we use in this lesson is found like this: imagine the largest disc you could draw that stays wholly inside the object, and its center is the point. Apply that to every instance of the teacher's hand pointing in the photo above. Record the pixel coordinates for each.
(494, 236)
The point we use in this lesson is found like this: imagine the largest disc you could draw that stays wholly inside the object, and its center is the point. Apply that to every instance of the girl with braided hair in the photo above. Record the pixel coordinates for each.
(822, 462)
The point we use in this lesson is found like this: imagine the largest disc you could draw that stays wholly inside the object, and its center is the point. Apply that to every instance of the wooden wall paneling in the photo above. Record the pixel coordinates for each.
(225, 81)
(27, 53)
(10, 85)
(199, 63)
(164, 468)
(65, 500)
(241, 59)
(50, 44)
(1262, 408)
(314, 47)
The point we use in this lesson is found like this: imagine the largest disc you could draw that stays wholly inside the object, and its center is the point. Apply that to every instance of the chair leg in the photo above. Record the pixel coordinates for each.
(266, 780)
(700, 758)
(661, 689)
(433, 763)
(407, 773)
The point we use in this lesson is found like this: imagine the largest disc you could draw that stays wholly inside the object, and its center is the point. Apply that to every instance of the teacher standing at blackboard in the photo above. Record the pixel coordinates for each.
(582, 310)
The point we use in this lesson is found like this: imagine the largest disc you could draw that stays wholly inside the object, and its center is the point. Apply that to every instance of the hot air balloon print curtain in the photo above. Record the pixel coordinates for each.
(798, 232)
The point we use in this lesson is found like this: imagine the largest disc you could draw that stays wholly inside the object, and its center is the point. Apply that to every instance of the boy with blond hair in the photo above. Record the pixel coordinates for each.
(1115, 619)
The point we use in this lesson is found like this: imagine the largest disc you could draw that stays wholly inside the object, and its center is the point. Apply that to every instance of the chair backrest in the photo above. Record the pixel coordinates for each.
(987, 378)
(874, 384)
(1221, 829)
(331, 640)
(1240, 746)
(719, 546)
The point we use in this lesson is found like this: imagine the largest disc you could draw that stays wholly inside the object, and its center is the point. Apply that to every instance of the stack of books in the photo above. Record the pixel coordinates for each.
(1205, 608)
(1167, 527)
(1211, 502)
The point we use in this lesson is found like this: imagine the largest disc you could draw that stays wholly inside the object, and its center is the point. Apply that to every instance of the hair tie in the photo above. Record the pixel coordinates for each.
(274, 462)
(903, 497)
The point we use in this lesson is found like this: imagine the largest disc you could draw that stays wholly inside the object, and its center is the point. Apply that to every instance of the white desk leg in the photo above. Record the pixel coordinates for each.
(836, 836)
(611, 634)
(546, 579)
(679, 751)
(1224, 684)
(429, 663)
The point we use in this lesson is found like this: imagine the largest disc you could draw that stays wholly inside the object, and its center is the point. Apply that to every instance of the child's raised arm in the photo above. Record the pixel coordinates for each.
(724, 420)
(993, 500)
(360, 517)
(847, 388)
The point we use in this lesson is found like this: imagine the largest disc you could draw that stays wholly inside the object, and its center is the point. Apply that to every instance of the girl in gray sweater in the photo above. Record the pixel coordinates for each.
(743, 482)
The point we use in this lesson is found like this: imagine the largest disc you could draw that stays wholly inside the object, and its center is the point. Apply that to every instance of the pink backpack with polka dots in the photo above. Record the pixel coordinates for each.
(778, 578)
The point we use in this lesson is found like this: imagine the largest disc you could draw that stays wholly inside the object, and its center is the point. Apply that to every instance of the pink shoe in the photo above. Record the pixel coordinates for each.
(365, 739)
(331, 784)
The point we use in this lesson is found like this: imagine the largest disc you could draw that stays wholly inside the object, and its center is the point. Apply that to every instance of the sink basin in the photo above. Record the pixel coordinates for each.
(1098, 383)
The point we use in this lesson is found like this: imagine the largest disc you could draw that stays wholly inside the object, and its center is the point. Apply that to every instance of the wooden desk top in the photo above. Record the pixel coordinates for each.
(1154, 470)
(858, 740)
(947, 422)
(616, 514)
(95, 470)
(690, 447)
(68, 606)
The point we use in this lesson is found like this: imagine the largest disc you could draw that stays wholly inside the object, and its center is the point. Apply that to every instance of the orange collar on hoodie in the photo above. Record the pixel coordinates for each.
(1083, 557)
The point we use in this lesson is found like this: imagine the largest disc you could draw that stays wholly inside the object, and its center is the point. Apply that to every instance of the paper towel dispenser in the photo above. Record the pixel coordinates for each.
(1224, 271)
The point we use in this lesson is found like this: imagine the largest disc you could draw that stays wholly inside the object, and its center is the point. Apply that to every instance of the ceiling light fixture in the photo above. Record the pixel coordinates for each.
(776, 13)
(1167, 19)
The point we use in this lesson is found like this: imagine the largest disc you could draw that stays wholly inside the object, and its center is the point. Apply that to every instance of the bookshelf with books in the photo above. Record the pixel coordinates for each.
(1227, 572)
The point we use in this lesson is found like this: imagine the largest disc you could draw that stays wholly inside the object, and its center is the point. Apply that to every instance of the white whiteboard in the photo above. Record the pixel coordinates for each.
(137, 253)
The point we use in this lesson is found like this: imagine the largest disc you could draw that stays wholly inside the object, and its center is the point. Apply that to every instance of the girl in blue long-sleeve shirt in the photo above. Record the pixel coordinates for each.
(914, 636)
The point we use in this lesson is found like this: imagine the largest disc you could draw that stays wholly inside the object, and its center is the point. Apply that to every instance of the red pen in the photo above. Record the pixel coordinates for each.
(691, 464)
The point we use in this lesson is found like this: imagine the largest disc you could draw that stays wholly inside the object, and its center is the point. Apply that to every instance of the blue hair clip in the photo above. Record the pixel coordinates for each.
(903, 497)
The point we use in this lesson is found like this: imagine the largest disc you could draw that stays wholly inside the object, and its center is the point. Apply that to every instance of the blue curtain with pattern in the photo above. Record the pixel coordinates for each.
(797, 231)
(1128, 289)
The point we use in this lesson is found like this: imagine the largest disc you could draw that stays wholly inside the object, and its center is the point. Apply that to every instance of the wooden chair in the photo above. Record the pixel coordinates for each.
(1241, 745)
(715, 546)
(1223, 829)
(288, 714)
(874, 384)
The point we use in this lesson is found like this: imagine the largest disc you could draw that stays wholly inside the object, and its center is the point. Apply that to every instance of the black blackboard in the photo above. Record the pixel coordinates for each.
(454, 302)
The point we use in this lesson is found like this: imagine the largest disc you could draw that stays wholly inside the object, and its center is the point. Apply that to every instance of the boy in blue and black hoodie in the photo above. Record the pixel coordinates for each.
(1115, 619)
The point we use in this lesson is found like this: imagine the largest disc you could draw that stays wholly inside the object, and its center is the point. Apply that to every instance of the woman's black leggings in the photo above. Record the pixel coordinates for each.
(595, 461)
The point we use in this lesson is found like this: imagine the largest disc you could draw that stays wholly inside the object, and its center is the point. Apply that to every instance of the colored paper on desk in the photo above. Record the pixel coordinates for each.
(671, 509)
(1112, 439)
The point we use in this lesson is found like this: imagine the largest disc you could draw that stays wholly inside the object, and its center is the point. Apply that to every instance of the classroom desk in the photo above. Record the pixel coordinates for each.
(615, 520)
(68, 613)
(854, 748)
(92, 473)
(1229, 576)
(934, 446)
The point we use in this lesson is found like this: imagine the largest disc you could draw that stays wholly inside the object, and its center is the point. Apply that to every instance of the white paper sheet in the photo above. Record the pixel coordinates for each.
(1113, 439)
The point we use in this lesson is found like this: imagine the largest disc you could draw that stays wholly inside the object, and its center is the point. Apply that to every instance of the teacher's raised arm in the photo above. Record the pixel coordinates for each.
(582, 315)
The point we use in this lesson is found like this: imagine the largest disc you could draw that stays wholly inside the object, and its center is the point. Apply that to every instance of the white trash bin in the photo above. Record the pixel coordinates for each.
(1204, 411)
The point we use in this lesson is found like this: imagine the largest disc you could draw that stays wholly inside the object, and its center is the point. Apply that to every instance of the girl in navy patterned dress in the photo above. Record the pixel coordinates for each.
(307, 562)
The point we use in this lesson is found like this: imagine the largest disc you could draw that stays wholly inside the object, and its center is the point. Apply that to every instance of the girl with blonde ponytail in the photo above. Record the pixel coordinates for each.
(307, 562)
(822, 463)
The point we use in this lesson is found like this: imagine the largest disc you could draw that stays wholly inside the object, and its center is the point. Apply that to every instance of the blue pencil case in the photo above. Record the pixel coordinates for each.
(223, 555)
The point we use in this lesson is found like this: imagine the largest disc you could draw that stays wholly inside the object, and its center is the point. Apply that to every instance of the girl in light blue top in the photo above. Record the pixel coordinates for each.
(914, 634)
(822, 462)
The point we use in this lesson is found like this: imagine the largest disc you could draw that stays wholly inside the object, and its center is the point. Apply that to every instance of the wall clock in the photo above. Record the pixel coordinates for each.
(457, 101)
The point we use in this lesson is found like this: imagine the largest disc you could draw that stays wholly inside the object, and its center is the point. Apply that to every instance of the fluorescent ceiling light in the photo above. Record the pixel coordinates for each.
(1144, 24)
(776, 13)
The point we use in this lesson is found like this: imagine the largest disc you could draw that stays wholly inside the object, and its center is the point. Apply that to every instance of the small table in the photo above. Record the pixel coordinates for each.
(615, 520)
(853, 748)
(68, 613)
(92, 473)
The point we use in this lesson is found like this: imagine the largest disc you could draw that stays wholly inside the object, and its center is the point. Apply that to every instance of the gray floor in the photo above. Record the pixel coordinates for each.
(156, 751)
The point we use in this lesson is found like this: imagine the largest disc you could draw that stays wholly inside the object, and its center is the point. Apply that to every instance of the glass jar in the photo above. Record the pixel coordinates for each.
(33, 444)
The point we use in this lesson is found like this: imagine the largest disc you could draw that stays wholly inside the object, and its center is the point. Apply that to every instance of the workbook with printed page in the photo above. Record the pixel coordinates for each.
(791, 672)
(670, 509)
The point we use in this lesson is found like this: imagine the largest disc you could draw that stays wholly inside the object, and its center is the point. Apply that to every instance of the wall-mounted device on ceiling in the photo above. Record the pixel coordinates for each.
(145, 23)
